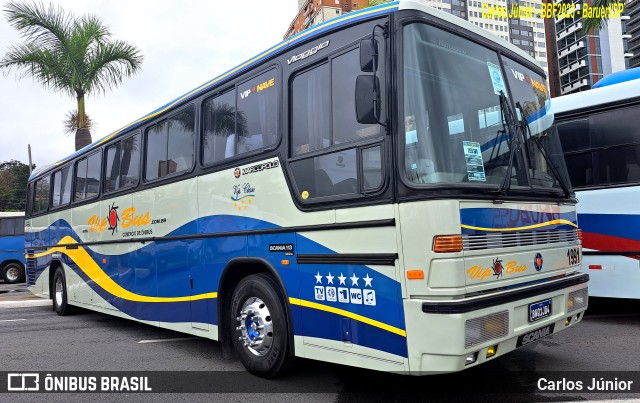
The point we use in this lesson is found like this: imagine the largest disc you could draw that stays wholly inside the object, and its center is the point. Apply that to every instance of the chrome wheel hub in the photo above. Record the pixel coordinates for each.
(59, 291)
(13, 274)
(255, 326)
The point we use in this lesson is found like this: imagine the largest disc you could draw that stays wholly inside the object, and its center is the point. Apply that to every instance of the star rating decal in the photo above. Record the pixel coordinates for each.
(329, 279)
(345, 293)
(354, 279)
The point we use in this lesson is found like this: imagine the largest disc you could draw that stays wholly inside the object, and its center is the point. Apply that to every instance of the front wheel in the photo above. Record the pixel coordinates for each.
(13, 273)
(261, 335)
(60, 304)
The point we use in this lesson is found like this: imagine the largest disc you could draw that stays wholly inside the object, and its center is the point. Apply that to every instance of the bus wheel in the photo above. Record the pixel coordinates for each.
(13, 273)
(60, 293)
(261, 331)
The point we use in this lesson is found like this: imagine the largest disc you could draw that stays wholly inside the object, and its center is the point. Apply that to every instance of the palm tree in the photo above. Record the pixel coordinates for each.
(595, 24)
(68, 54)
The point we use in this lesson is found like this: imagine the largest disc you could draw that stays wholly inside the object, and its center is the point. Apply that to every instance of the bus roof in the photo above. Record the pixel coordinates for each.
(308, 34)
(618, 77)
(609, 94)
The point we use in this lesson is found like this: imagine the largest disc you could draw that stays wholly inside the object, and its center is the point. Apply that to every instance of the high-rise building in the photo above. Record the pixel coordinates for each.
(314, 12)
(526, 32)
(584, 58)
(631, 32)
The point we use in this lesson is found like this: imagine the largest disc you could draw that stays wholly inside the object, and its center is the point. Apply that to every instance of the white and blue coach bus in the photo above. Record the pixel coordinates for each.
(340, 197)
(600, 137)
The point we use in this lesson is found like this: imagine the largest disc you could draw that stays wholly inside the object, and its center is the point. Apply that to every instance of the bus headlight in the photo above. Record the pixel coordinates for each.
(484, 328)
(577, 299)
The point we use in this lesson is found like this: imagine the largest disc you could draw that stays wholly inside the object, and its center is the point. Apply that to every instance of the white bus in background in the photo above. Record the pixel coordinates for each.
(600, 136)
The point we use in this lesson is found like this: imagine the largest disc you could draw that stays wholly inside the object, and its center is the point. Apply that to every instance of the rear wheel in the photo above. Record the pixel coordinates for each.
(261, 335)
(13, 273)
(60, 304)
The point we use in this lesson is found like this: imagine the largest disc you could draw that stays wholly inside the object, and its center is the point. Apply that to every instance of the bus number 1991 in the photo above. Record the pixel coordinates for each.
(573, 254)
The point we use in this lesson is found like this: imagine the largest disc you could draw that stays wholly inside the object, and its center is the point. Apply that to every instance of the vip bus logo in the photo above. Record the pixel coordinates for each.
(113, 218)
(497, 268)
(257, 88)
(308, 53)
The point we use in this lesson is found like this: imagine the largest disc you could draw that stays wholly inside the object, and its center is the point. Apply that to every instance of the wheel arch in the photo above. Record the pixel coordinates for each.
(53, 267)
(236, 270)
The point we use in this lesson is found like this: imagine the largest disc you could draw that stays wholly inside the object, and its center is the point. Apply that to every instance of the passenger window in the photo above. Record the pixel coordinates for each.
(310, 113)
(218, 140)
(323, 117)
(61, 187)
(88, 177)
(241, 120)
(123, 164)
(257, 101)
(41, 199)
(170, 145)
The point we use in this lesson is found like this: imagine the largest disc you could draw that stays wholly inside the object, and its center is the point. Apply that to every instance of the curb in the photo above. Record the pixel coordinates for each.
(25, 303)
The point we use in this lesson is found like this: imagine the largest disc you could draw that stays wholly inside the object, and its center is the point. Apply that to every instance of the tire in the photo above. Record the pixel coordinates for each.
(59, 293)
(260, 329)
(13, 273)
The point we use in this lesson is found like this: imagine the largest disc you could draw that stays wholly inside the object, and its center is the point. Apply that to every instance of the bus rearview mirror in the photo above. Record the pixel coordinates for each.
(367, 53)
(366, 99)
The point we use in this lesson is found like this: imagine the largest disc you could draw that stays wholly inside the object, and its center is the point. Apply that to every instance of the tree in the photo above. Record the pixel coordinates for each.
(595, 24)
(13, 185)
(68, 54)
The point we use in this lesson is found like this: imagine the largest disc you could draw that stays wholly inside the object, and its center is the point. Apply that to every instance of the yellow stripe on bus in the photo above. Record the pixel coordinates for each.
(342, 312)
(544, 224)
(86, 263)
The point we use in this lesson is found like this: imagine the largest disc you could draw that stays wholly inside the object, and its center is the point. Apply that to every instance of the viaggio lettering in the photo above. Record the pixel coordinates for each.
(308, 53)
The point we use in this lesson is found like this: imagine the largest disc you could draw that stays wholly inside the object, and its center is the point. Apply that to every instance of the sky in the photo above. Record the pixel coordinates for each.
(184, 43)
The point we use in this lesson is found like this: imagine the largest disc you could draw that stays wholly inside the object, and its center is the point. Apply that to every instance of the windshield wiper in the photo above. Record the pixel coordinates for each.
(524, 124)
(512, 127)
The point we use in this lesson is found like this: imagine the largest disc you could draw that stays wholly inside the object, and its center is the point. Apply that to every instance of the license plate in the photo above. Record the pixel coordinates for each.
(534, 335)
(539, 310)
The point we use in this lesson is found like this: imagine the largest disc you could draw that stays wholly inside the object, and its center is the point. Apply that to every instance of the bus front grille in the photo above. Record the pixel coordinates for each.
(515, 239)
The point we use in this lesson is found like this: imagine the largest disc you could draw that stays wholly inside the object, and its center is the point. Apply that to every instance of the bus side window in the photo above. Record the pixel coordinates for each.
(220, 120)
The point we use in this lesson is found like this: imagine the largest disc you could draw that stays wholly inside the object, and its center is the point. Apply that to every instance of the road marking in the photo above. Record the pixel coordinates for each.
(163, 340)
(25, 303)
(11, 320)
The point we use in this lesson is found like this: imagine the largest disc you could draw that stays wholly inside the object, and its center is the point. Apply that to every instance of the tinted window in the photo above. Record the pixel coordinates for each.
(615, 127)
(41, 199)
(327, 175)
(88, 176)
(61, 187)
(322, 116)
(310, 114)
(170, 145)
(218, 141)
(123, 164)
(574, 135)
(580, 168)
(344, 70)
(11, 226)
(81, 175)
(618, 165)
(257, 102)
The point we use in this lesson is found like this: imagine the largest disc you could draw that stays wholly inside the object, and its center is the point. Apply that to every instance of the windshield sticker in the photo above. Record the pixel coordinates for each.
(496, 78)
(473, 157)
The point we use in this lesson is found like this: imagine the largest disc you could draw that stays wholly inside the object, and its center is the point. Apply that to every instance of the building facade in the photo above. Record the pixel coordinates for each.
(584, 58)
(314, 12)
(631, 32)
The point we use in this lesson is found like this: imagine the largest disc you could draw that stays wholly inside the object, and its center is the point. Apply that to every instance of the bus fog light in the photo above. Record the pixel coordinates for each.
(491, 351)
(567, 321)
(485, 328)
(471, 358)
(577, 300)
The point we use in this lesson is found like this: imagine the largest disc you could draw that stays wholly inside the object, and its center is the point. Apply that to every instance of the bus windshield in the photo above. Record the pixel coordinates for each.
(460, 125)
